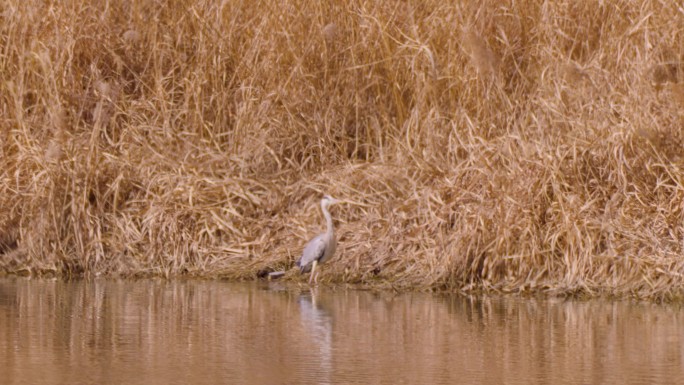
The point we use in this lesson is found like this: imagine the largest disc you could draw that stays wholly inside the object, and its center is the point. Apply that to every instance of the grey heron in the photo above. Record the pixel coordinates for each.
(322, 247)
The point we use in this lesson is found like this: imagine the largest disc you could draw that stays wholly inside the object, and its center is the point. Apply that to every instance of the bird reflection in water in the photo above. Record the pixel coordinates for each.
(318, 322)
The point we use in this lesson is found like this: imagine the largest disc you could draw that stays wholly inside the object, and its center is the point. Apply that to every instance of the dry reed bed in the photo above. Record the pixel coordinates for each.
(515, 146)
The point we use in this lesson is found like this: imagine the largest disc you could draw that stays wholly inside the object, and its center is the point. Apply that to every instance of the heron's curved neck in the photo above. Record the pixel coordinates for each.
(328, 221)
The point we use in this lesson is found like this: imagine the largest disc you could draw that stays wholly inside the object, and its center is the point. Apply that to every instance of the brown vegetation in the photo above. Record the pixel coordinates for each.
(514, 146)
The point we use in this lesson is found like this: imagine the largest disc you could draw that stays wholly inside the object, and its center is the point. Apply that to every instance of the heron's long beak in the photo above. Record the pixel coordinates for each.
(353, 203)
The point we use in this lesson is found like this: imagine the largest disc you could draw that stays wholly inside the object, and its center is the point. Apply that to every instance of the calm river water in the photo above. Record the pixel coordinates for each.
(212, 332)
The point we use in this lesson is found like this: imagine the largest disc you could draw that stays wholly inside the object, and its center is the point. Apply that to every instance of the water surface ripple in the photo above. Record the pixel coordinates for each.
(210, 332)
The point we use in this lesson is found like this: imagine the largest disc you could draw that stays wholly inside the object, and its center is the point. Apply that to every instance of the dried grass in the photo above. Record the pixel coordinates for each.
(514, 147)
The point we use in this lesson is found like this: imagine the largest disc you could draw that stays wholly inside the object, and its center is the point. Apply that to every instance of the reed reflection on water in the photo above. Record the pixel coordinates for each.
(207, 332)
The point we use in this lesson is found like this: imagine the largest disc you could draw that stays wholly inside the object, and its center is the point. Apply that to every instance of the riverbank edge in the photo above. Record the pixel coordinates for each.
(294, 281)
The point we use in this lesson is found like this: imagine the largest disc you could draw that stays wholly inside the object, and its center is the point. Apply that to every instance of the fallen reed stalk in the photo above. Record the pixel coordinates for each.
(514, 147)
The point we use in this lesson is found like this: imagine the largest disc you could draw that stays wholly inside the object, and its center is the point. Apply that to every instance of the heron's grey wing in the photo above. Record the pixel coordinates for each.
(312, 251)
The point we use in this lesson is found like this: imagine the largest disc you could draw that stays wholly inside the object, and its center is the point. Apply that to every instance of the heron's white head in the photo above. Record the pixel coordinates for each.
(328, 200)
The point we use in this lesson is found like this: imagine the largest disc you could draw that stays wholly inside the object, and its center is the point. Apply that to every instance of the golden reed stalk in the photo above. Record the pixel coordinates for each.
(511, 147)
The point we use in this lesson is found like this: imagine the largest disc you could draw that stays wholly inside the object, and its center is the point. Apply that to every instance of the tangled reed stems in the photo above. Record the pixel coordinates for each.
(514, 147)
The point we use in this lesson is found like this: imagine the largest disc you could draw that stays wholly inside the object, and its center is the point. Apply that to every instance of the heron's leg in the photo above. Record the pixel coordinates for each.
(313, 271)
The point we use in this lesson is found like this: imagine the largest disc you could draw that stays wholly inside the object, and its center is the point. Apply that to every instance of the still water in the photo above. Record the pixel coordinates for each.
(212, 332)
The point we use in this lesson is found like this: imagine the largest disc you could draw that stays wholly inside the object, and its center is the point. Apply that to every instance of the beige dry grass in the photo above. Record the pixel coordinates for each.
(512, 146)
